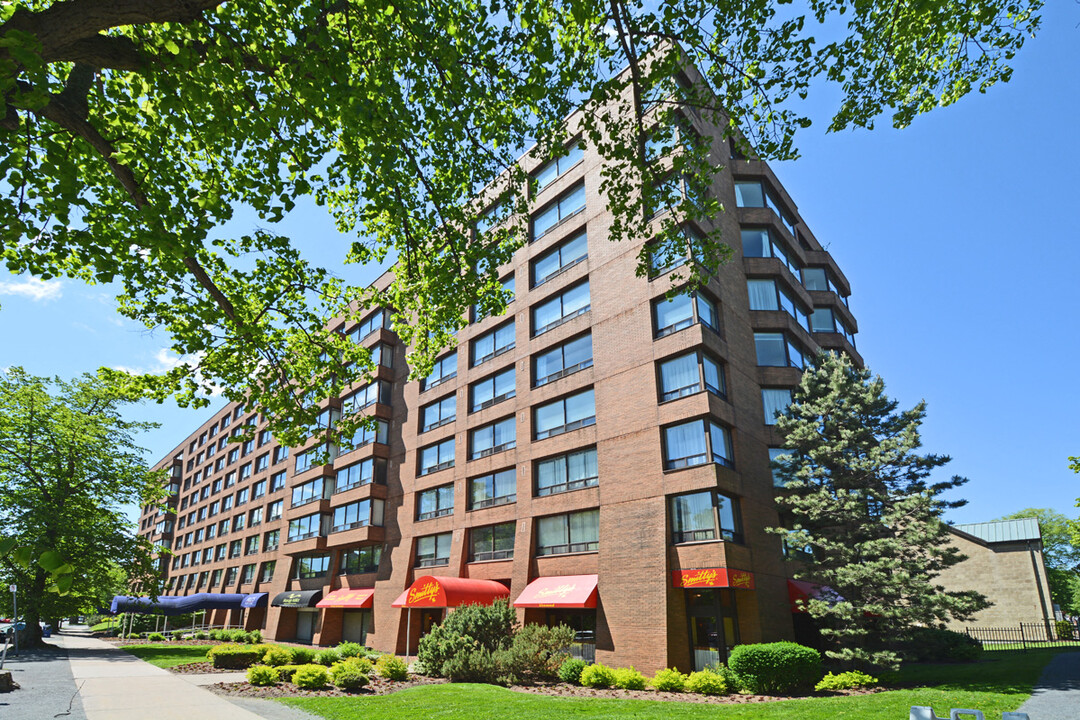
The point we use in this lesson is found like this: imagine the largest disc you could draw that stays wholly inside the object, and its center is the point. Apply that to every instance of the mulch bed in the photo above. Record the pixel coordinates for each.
(122, 643)
(378, 686)
(574, 691)
(199, 668)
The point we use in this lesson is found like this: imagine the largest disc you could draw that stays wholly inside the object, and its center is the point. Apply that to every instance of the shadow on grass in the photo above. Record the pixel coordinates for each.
(997, 673)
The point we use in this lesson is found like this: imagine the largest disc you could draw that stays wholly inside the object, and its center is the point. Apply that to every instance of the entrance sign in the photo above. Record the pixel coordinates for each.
(713, 578)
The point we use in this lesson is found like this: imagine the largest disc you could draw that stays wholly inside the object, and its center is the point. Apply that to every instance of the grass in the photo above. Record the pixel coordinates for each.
(994, 686)
(106, 625)
(167, 656)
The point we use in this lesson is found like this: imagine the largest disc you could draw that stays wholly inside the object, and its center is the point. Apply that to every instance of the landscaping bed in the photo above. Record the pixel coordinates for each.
(576, 691)
(377, 686)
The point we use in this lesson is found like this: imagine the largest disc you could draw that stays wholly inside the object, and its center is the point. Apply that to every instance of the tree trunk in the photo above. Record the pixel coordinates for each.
(31, 636)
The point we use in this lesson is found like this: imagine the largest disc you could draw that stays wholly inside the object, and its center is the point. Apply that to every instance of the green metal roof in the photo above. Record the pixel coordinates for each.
(1004, 530)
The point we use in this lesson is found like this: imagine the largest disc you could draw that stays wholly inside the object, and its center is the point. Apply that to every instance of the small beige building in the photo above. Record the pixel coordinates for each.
(1004, 563)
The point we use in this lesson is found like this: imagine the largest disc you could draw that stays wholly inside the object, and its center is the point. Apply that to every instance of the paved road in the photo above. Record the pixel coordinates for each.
(1057, 695)
(47, 687)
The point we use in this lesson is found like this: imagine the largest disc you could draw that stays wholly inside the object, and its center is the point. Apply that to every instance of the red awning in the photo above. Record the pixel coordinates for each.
(348, 598)
(562, 591)
(441, 592)
(800, 590)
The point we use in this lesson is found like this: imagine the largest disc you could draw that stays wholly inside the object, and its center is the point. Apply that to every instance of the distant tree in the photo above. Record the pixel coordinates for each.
(1061, 553)
(68, 463)
(861, 517)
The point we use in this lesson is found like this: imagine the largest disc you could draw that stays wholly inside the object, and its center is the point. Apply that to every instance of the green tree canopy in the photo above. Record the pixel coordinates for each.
(68, 463)
(132, 132)
(861, 517)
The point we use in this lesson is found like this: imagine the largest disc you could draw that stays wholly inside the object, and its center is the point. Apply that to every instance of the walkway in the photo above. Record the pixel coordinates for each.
(99, 681)
(1057, 694)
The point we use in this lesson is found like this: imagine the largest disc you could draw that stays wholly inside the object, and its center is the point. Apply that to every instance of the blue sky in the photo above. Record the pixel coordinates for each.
(948, 230)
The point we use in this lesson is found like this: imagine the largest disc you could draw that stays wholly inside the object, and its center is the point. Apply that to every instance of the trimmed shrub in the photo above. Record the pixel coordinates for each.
(261, 675)
(845, 681)
(277, 656)
(285, 672)
(476, 664)
(570, 670)
(350, 649)
(776, 668)
(1064, 630)
(255, 637)
(629, 679)
(235, 657)
(156, 637)
(706, 682)
(669, 680)
(302, 656)
(935, 645)
(327, 657)
(535, 654)
(734, 684)
(348, 675)
(311, 677)
(597, 676)
(391, 667)
(133, 636)
(202, 635)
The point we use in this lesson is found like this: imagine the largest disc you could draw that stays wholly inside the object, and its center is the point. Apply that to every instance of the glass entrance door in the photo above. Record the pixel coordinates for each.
(714, 627)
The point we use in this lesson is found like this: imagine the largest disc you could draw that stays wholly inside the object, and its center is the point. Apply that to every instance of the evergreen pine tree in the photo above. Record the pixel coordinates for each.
(862, 519)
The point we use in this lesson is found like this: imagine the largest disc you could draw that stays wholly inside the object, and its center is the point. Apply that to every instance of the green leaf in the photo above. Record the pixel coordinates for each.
(51, 560)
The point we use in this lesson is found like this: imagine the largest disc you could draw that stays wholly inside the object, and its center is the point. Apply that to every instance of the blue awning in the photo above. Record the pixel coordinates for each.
(254, 600)
(166, 605)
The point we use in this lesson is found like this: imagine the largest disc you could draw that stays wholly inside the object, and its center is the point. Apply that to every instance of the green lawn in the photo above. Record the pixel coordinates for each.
(167, 656)
(106, 625)
(993, 686)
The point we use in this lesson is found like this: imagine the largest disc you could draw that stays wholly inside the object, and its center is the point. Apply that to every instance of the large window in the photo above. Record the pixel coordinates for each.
(570, 533)
(563, 415)
(361, 473)
(438, 413)
(361, 560)
(754, 193)
(688, 374)
(435, 502)
(374, 392)
(776, 402)
(273, 510)
(557, 310)
(277, 481)
(309, 492)
(696, 443)
(816, 278)
(776, 350)
(271, 540)
(357, 514)
(437, 457)
(705, 515)
(306, 527)
(682, 311)
(494, 542)
(759, 242)
(492, 489)
(560, 259)
(267, 572)
(563, 360)
(479, 312)
(312, 566)
(559, 211)
(550, 172)
(370, 324)
(825, 320)
(382, 354)
(775, 455)
(318, 455)
(433, 550)
(493, 438)
(766, 294)
(445, 369)
(365, 435)
(492, 344)
(491, 390)
(564, 473)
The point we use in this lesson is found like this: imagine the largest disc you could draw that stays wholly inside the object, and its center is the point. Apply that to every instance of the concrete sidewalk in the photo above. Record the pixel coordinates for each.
(1057, 694)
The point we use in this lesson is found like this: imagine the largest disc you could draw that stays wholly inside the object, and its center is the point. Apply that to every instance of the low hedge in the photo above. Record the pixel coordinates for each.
(232, 656)
(311, 677)
(391, 667)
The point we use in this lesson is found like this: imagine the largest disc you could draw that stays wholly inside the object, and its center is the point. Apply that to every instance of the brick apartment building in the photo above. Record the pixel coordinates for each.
(600, 453)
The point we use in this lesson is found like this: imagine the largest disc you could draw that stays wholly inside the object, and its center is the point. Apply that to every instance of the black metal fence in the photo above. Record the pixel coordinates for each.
(1047, 633)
